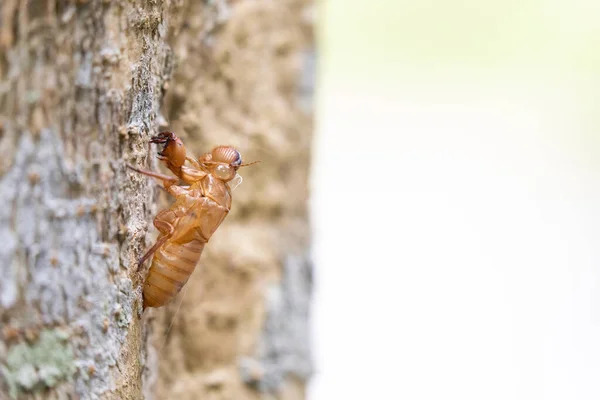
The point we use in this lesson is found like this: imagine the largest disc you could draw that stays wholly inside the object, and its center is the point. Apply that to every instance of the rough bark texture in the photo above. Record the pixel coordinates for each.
(83, 85)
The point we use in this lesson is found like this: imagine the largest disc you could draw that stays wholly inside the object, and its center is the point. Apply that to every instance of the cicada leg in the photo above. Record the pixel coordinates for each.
(164, 222)
(169, 182)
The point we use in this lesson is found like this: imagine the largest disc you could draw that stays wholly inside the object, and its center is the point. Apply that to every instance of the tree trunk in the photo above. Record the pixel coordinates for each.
(83, 85)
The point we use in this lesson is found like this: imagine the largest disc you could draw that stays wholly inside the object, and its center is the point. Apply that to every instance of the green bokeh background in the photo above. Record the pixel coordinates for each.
(534, 45)
(375, 41)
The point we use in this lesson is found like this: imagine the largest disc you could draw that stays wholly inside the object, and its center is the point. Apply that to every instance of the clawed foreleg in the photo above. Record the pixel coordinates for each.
(169, 182)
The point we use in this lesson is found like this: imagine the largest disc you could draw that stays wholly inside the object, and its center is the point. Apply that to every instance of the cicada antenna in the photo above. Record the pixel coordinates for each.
(239, 166)
(248, 164)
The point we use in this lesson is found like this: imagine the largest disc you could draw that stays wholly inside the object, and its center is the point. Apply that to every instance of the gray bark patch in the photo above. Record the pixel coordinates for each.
(62, 272)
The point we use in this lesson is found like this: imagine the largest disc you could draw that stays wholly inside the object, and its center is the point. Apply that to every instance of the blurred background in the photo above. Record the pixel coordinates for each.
(456, 200)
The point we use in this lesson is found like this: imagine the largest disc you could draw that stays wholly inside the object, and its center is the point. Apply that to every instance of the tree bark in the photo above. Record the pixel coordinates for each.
(83, 85)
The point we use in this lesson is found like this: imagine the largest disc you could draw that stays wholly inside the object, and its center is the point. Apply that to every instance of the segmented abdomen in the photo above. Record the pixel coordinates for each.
(172, 265)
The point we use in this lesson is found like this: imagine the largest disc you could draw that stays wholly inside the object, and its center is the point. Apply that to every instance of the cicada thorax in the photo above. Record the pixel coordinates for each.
(198, 218)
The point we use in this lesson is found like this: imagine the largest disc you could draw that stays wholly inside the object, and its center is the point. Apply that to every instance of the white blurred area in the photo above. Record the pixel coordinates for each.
(457, 231)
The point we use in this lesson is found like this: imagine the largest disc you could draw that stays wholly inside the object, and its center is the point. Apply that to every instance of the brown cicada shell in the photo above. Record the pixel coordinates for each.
(200, 207)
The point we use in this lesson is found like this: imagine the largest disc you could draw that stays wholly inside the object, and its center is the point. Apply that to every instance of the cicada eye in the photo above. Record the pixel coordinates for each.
(224, 172)
(238, 161)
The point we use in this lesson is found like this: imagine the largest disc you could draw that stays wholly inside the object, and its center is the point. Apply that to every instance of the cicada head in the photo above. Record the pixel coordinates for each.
(227, 155)
(173, 152)
(226, 161)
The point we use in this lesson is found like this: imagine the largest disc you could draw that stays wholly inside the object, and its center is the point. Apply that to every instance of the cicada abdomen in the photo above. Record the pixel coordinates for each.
(171, 268)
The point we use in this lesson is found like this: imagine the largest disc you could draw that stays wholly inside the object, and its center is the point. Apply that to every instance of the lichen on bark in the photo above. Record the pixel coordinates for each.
(41, 365)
